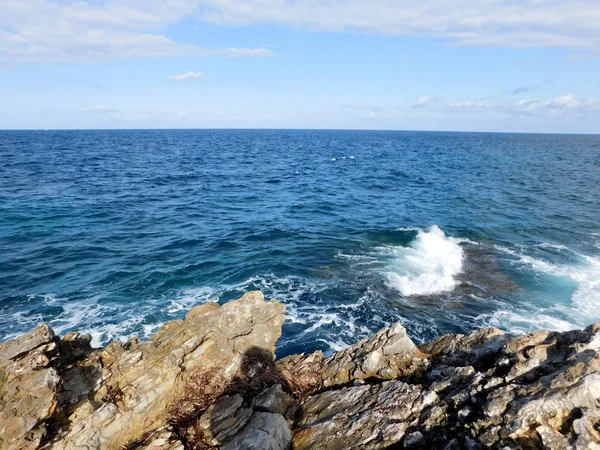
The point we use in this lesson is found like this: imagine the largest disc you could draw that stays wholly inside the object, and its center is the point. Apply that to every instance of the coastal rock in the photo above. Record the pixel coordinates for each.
(486, 389)
(389, 355)
(365, 417)
(31, 386)
(266, 431)
(162, 440)
(224, 419)
(211, 381)
(275, 400)
(461, 350)
(121, 394)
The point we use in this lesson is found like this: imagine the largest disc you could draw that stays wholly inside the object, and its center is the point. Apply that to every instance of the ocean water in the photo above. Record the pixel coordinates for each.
(116, 232)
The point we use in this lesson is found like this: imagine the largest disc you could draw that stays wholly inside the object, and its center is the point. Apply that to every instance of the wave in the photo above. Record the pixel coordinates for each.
(584, 272)
(429, 265)
(526, 321)
(331, 313)
(586, 275)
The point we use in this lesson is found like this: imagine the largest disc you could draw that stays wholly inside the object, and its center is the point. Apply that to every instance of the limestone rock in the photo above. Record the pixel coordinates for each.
(266, 431)
(461, 350)
(117, 396)
(274, 400)
(486, 389)
(360, 417)
(163, 440)
(390, 354)
(210, 380)
(20, 347)
(224, 419)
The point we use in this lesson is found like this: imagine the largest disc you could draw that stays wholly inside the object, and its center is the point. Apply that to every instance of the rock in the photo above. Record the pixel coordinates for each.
(266, 431)
(469, 350)
(29, 387)
(224, 419)
(365, 417)
(390, 354)
(210, 380)
(414, 440)
(276, 401)
(109, 398)
(23, 345)
(485, 389)
(302, 372)
(163, 440)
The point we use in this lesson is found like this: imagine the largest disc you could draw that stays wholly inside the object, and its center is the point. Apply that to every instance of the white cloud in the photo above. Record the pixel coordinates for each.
(101, 109)
(76, 30)
(568, 104)
(42, 31)
(564, 106)
(503, 23)
(424, 101)
(470, 105)
(187, 76)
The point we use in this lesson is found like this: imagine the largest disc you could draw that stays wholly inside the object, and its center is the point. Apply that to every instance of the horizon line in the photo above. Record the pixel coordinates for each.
(299, 129)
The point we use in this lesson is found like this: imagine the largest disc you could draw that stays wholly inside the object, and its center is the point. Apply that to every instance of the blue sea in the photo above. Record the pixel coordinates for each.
(116, 232)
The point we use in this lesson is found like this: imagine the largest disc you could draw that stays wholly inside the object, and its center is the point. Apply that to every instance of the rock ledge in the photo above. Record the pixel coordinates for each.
(211, 381)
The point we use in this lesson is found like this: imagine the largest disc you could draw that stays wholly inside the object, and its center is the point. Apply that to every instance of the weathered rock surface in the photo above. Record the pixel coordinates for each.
(366, 417)
(389, 355)
(119, 395)
(210, 381)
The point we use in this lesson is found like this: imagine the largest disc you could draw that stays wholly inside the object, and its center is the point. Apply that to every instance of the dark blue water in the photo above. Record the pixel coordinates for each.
(116, 232)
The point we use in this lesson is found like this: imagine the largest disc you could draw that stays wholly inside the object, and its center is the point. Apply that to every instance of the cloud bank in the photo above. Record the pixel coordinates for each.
(36, 31)
(564, 106)
(63, 31)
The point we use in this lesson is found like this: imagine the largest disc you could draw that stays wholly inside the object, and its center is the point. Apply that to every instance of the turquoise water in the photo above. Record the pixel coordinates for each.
(116, 232)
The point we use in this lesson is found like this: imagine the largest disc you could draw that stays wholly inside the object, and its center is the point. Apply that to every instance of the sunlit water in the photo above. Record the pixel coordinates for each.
(116, 232)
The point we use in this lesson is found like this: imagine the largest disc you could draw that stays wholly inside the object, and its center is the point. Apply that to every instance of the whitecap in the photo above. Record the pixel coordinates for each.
(429, 265)
(521, 322)
(190, 298)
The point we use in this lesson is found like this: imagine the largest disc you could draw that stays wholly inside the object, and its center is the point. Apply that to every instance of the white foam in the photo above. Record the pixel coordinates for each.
(586, 274)
(527, 321)
(552, 246)
(408, 229)
(190, 298)
(335, 346)
(428, 265)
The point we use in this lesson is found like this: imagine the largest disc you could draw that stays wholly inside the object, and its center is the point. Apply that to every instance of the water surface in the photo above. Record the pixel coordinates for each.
(116, 232)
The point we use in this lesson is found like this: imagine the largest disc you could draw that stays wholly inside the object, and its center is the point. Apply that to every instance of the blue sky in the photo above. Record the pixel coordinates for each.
(494, 65)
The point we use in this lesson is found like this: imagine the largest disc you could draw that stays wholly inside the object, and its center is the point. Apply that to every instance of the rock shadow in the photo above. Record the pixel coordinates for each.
(252, 410)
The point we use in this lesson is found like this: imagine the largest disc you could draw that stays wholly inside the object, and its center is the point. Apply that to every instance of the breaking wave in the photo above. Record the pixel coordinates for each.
(429, 264)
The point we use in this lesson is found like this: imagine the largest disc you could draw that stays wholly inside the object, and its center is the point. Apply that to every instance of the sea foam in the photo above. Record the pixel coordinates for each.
(429, 265)
(587, 277)
(583, 308)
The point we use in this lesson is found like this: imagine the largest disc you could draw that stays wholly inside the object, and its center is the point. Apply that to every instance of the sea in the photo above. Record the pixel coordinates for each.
(114, 233)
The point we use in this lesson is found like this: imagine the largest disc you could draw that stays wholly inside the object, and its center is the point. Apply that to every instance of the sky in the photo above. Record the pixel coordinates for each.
(463, 65)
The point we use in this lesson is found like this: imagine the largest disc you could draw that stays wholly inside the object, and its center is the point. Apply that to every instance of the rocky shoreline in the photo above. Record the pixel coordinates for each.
(211, 381)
